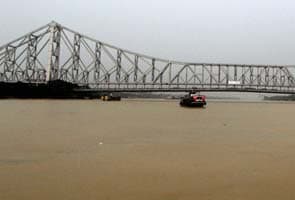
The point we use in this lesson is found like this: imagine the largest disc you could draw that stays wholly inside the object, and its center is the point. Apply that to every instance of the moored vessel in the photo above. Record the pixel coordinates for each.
(193, 100)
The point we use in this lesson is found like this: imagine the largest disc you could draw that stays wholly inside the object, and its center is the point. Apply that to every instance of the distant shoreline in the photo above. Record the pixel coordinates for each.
(280, 98)
(209, 100)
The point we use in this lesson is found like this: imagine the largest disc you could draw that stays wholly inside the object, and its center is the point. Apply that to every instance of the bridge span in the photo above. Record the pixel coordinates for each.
(55, 52)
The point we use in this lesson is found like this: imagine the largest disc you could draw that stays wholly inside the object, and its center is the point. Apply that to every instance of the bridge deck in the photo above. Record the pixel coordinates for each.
(252, 90)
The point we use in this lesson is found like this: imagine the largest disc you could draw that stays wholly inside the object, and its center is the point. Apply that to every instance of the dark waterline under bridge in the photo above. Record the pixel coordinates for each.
(54, 52)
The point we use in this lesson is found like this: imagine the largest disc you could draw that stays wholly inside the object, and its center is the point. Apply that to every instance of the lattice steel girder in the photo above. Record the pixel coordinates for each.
(97, 64)
(31, 58)
(9, 63)
(76, 58)
(135, 68)
(118, 66)
(80, 59)
(54, 52)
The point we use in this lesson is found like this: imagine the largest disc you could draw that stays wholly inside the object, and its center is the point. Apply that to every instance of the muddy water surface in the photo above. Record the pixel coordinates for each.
(148, 150)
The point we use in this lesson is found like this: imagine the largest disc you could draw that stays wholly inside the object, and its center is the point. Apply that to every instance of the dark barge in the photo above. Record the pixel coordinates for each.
(57, 89)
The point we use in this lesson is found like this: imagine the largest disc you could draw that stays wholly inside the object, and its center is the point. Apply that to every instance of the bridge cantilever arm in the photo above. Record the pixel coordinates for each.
(26, 35)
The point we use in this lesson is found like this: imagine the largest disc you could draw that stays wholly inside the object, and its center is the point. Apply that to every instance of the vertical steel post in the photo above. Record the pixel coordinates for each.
(9, 64)
(235, 73)
(251, 75)
(219, 70)
(266, 78)
(195, 74)
(153, 69)
(243, 75)
(76, 58)
(203, 78)
(52, 72)
(258, 77)
(211, 75)
(135, 68)
(97, 63)
(118, 67)
(170, 72)
(31, 58)
(227, 75)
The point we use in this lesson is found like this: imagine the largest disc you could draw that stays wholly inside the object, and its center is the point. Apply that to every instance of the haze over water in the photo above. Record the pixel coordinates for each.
(153, 150)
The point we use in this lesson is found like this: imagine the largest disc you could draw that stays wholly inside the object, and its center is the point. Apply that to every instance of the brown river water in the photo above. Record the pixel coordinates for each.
(146, 150)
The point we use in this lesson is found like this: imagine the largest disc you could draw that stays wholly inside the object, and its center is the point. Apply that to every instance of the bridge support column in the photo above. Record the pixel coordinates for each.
(118, 67)
(54, 53)
(31, 58)
(251, 76)
(76, 58)
(9, 64)
(135, 68)
(97, 64)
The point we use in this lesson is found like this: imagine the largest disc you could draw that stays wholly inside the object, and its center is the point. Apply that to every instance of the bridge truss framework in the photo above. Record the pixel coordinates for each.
(55, 52)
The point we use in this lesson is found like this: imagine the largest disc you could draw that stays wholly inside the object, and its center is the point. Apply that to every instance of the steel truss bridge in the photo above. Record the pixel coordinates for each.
(55, 52)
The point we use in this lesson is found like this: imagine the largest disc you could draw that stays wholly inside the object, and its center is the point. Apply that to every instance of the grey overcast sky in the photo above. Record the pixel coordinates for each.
(225, 31)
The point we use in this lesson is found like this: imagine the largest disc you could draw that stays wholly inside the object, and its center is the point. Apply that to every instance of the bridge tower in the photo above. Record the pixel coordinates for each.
(54, 52)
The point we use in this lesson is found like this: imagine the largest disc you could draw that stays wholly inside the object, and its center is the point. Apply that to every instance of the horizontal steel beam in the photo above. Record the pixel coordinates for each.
(139, 90)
